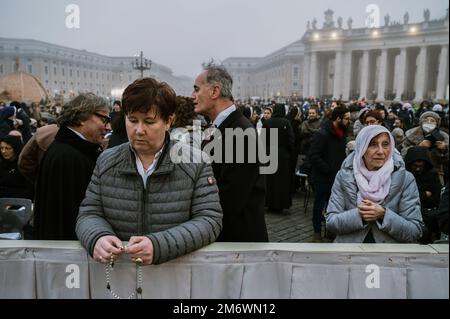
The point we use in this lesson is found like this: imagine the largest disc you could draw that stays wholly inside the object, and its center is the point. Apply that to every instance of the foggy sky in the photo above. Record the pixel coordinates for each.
(181, 34)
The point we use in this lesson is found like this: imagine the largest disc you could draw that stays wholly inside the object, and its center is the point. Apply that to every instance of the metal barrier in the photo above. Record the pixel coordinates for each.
(34, 269)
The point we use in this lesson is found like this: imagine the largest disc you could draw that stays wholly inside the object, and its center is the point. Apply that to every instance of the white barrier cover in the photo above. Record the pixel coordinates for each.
(31, 269)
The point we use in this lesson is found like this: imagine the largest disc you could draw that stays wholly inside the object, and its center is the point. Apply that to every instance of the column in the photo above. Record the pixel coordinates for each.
(401, 77)
(441, 86)
(306, 66)
(347, 75)
(313, 76)
(422, 72)
(338, 75)
(382, 75)
(364, 75)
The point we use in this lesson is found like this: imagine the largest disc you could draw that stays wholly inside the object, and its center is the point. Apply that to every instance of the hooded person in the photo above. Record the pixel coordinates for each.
(359, 123)
(406, 113)
(427, 179)
(418, 162)
(428, 135)
(12, 183)
(374, 199)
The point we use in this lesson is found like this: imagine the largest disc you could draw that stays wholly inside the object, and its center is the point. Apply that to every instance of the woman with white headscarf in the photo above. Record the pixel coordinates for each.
(374, 199)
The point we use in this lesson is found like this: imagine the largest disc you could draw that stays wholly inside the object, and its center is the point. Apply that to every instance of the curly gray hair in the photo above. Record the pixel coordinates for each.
(80, 109)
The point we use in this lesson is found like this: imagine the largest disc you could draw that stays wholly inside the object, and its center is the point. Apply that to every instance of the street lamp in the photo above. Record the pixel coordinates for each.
(141, 64)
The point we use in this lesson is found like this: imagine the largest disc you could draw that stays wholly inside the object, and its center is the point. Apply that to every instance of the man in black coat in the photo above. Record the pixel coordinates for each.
(326, 155)
(241, 186)
(67, 166)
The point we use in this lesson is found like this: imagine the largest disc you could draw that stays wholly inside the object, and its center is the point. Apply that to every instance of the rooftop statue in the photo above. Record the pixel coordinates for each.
(426, 15)
(406, 18)
(387, 20)
(349, 23)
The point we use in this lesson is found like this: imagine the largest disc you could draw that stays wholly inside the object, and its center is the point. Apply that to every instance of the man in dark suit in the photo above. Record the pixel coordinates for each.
(241, 186)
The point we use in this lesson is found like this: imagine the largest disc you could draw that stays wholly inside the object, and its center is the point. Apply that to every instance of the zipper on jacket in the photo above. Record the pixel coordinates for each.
(144, 194)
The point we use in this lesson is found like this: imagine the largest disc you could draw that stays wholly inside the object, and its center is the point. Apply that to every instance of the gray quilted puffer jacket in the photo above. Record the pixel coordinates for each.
(179, 210)
(402, 222)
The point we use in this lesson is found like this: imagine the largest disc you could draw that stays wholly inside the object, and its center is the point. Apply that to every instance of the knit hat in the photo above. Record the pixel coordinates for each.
(437, 108)
(14, 142)
(430, 114)
(407, 106)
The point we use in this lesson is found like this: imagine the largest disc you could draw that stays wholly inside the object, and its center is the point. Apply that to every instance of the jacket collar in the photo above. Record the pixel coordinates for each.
(67, 136)
(163, 167)
(230, 119)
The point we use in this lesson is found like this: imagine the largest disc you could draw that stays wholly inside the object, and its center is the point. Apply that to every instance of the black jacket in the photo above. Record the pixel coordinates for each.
(280, 184)
(326, 154)
(428, 180)
(12, 183)
(64, 174)
(242, 192)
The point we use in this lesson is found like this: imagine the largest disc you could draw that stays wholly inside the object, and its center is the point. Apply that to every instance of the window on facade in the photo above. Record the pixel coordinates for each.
(1, 68)
(54, 71)
(29, 68)
(78, 73)
(70, 72)
(295, 83)
(46, 70)
(295, 73)
(63, 72)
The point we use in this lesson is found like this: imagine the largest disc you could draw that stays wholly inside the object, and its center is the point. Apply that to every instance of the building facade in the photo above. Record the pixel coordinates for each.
(397, 61)
(67, 72)
(275, 75)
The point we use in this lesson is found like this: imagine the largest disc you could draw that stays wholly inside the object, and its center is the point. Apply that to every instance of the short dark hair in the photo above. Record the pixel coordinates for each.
(339, 112)
(145, 94)
(375, 114)
(315, 107)
(117, 102)
(80, 109)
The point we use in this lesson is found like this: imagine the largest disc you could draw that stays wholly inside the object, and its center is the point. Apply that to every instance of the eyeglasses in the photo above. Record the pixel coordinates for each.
(105, 118)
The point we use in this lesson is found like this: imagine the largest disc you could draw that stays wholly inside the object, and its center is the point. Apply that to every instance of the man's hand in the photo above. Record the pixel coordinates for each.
(371, 211)
(107, 247)
(140, 247)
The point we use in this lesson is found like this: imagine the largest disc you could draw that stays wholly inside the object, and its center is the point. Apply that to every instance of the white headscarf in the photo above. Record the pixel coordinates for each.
(372, 185)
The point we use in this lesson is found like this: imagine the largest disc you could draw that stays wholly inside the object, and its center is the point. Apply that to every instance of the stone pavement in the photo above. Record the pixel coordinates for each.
(294, 226)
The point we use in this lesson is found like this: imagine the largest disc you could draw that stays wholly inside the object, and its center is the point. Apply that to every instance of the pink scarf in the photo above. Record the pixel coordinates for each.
(372, 185)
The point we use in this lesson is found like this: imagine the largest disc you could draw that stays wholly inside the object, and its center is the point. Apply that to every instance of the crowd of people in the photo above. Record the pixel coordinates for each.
(104, 175)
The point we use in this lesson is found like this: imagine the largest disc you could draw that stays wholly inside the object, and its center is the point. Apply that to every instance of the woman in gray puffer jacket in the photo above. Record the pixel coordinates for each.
(374, 199)
(163, 204)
